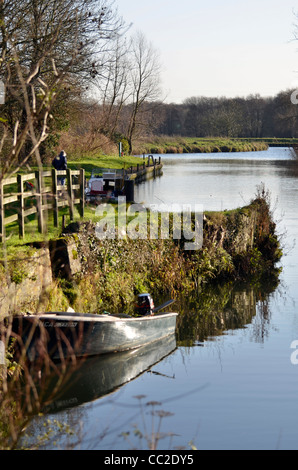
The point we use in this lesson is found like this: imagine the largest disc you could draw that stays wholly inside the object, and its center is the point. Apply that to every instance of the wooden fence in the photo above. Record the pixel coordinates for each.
(47, 193)
(140, 168)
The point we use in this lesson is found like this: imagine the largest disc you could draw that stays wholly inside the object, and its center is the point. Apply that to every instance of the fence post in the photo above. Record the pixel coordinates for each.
(2, 213)
(82, 192)
(70, 193)
(55, 198)
(40, 219)
(21, 220)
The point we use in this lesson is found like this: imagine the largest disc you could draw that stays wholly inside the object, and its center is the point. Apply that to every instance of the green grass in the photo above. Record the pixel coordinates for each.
(103, 161)
(88, 162)
(16, 246)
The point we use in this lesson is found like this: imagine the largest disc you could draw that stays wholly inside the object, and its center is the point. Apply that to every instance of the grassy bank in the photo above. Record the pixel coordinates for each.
(237, 244)
(88, 162)
(175, 145)
(273, 141)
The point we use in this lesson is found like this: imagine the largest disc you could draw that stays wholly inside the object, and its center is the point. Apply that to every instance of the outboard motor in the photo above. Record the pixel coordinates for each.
(145, 305)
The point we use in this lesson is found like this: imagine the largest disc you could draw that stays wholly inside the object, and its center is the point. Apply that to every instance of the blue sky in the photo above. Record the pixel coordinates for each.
(219, 48)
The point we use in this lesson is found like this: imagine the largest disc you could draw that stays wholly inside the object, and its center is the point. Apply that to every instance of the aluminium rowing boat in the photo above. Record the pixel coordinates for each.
(64, 334)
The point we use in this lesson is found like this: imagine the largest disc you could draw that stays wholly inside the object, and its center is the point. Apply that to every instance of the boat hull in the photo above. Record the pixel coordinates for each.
(62, 335)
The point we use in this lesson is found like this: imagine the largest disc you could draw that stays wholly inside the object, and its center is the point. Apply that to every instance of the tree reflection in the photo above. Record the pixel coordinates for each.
(220, 307)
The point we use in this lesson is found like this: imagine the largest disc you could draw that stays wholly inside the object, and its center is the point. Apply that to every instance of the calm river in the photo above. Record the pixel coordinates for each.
(234, 387)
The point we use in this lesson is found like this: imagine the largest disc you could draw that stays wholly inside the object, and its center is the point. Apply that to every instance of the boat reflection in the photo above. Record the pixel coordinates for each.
(95, 377)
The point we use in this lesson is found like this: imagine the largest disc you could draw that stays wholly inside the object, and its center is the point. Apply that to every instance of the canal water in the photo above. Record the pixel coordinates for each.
(229, 382)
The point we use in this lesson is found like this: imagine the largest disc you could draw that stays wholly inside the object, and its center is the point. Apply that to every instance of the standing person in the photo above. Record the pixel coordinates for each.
(60, 163)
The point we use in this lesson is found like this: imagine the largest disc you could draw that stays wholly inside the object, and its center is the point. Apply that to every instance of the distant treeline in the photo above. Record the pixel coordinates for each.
(252, 117)
(199, 124)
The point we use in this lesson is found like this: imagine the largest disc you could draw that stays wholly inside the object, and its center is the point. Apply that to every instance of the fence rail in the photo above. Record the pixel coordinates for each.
(48, 196)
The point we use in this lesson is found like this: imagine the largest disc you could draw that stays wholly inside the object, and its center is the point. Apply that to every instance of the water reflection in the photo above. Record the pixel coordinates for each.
(223, 307)
(61, 390)
(94, 377)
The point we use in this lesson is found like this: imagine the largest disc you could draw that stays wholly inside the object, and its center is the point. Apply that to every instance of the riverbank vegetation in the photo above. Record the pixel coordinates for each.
(180, 145)
(238, 245)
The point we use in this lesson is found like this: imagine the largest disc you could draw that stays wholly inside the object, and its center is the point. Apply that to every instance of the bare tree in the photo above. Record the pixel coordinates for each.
(113, 88)
(30, 91)
(127, 91)
(145, 83)
(47, 48)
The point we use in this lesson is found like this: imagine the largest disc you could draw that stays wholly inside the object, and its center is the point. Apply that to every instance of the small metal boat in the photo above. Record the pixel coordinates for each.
(64, 334)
